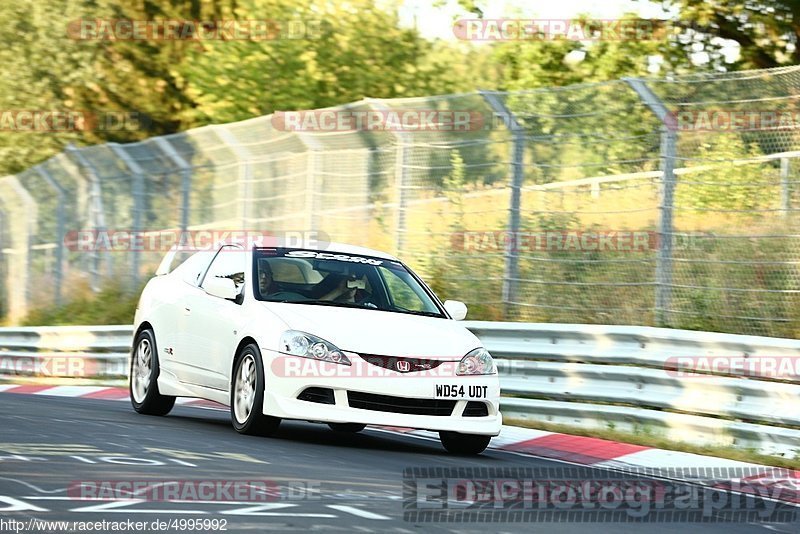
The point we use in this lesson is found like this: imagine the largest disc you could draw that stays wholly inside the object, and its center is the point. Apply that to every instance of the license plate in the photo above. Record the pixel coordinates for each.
(459, 391)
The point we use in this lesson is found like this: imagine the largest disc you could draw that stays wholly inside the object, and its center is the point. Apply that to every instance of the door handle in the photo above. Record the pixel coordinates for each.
(187, 311)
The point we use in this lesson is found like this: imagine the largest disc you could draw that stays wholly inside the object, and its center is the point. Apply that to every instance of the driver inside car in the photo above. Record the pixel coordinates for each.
(266, 281)
(348, 288)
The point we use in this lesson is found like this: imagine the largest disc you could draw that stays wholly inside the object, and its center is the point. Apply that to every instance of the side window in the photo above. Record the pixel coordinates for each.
(194, 267)
(401, 294)
(229, 263)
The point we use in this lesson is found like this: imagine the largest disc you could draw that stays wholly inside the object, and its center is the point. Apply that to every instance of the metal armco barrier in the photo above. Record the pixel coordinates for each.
(745, 393)
(65, 351)
(636, 379)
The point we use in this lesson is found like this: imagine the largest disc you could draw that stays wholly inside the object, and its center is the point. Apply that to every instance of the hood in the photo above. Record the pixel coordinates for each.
(380, 332)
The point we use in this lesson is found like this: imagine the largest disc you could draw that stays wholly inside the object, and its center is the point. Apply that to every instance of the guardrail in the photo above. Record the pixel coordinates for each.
(65, 351)
(697, 387)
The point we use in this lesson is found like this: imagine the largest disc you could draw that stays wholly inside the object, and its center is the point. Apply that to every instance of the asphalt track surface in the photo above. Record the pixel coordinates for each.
(337, 482)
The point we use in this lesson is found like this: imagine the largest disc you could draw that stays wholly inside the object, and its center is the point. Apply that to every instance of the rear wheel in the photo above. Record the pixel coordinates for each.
(143, 384)
(247, 395)
(350, 428)
(458, 443)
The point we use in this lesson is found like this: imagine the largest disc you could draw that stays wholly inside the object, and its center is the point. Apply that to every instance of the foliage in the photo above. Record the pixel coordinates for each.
(361, 50)
(767, 31)
(545, 62)
(112, 305)
(724, 186)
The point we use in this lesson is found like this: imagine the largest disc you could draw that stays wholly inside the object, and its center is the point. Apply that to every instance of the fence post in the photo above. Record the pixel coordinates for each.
(138, 205)
(71, 169)
(401, 178)
(511, 254)
(245, 171)
(785, 192)
(24, 211)
(96, 213)
(4, 277)
(669, 140)
(313, 148)
(186, 181)
(60, 229)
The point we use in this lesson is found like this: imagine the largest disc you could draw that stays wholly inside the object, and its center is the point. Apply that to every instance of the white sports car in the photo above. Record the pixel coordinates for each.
(342, 335)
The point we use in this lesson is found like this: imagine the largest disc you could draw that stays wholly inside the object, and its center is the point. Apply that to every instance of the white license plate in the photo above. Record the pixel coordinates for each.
(459, 391)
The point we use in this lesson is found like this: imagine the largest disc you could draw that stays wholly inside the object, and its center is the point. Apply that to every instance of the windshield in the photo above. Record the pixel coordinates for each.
(335, 279)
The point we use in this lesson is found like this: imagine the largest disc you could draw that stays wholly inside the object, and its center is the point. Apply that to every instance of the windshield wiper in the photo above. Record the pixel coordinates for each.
(414, 312)
(332, 303)
(367, 306)
(424, 313)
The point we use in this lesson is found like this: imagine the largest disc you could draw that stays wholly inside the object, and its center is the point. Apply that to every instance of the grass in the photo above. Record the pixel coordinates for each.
(111, 305)
(648, 439)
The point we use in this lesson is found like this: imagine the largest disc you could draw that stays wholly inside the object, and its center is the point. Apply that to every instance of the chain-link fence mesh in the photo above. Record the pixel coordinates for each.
(630, 202)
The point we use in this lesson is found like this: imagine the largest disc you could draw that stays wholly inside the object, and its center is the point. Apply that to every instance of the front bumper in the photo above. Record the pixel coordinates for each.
(283, 388)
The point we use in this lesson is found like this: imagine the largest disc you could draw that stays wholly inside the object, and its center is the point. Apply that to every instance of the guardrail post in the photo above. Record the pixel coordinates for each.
(186, 181)
(669, 140)
(511, 270)
(60, 230)
(97, 215)
(138, 205)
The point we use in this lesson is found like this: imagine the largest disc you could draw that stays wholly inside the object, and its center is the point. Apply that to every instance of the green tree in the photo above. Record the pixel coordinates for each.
(767, 31)
(49, 66)
(40, 70)
(360, 50)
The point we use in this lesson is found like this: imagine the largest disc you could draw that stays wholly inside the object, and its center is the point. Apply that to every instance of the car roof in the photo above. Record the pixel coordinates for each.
(271, 242)
(323, 246)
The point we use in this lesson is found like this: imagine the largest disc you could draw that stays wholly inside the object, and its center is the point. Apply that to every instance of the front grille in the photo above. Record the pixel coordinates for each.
(387, 403)
(401, 365)
(318, 395)
(476, 409)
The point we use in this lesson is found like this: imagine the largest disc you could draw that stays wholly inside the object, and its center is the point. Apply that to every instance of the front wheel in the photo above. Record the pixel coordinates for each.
(247, 395)
(350, 428)
(143, 384)
(458, 443)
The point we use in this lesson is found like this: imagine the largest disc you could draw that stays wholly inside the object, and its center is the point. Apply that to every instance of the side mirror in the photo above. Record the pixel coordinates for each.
(456, 309)
(223, 288)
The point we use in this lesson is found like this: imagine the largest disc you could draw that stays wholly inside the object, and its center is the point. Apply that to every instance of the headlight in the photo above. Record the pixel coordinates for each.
(309, 346)
(477, 362)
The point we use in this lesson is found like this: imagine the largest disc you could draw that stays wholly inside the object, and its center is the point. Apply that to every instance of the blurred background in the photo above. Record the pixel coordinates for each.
(598, 132)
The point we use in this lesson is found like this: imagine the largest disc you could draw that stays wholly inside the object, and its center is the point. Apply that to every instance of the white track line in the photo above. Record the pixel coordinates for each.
(357, 511)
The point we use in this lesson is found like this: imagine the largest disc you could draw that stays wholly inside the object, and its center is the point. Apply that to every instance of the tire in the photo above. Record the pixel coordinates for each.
(143, 382)
(458, 443)
(247, 395)
(350, 428)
